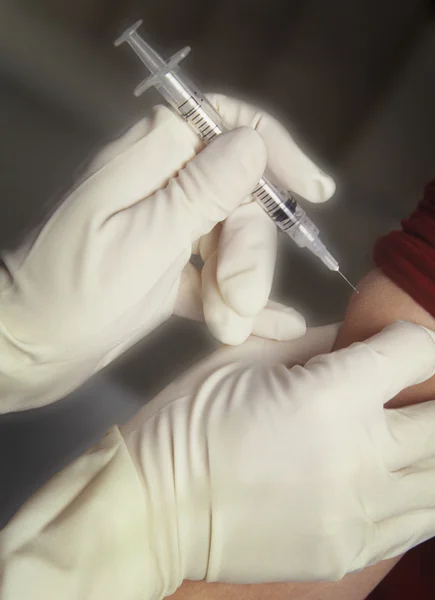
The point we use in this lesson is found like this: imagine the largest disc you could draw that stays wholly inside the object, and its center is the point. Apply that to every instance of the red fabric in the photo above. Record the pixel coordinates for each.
(412, 579)
(407, 257)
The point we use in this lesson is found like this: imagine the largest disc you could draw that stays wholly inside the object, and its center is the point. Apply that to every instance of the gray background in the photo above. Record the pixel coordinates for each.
(354, 81)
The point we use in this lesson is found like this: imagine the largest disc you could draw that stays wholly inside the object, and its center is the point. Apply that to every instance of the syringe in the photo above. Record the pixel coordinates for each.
(194, 107)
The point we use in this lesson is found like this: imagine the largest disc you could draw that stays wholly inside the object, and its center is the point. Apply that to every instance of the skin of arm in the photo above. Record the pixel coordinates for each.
(378, 303)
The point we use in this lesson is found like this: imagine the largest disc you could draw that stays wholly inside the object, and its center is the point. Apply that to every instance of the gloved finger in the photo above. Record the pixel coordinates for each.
(297, 350)
(113, 149)
(274, 322)
(412, 435)
(246, 251)
(202, 194)
(230, 327)
(399, 534)
(290, 352)
(206, 190)
(223, 322)
(279, 322)
(286, 162)
(401, 355)
(246, 257)
(406, 356)
(183, 141)
(139, 165)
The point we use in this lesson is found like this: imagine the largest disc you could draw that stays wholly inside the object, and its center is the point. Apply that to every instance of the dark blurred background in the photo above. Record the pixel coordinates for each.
(355, 82)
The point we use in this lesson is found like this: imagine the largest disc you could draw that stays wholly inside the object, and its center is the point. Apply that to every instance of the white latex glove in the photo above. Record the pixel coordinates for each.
(105, 269)
(256, 473)
(91, 533)
(242, 471)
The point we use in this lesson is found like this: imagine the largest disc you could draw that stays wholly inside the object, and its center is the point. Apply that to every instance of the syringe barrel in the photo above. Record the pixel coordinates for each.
(191, 104)
(280, 205)
(194, 107)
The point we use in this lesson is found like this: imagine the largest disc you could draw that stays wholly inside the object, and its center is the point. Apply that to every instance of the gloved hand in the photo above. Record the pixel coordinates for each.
(255, 473)
(106, 267)
(242, 471)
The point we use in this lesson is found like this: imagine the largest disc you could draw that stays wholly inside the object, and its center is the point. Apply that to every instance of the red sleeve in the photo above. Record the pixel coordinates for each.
(407, 257)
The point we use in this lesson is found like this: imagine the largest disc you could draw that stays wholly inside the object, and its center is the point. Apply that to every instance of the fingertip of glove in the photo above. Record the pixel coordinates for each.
(409, 348)
(328, 186)
(426, 348)
(292, 324)
(429, 332)
(231, 334)
(280, 323)
(410, 328)
(321, 188)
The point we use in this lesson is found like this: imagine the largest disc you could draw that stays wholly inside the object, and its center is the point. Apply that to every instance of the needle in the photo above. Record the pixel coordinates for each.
(347, 281)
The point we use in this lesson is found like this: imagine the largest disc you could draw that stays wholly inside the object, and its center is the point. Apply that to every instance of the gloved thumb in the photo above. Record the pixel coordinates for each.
(211, 185)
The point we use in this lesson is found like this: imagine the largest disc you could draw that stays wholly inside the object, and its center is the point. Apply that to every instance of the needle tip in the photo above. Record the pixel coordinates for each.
(348, 282)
